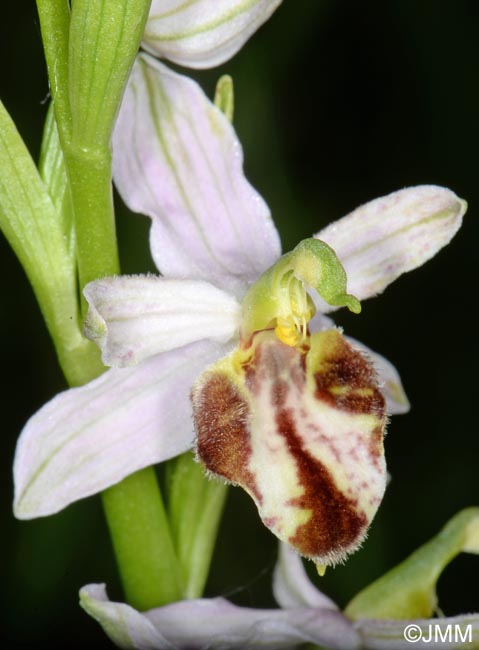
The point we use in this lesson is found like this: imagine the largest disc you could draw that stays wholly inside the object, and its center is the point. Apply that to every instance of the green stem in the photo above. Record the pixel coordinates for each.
(55, 25)
(143, 546)
(89, 55)
(195, 506)
(198, 553)
(90, 182)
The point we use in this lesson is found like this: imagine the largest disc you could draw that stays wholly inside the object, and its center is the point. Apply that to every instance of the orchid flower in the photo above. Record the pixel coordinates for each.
(379, 618)
(177, 159)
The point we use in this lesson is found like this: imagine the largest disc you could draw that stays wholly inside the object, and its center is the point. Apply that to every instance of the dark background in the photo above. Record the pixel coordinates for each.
(337, 102)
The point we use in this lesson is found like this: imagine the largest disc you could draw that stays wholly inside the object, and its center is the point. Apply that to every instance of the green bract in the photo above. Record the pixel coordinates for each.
(104, 37)
(409, 590)
(35, 219)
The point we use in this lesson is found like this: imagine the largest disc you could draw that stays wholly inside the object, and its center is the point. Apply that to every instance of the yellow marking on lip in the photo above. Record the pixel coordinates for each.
(339, 390)
(291, 520)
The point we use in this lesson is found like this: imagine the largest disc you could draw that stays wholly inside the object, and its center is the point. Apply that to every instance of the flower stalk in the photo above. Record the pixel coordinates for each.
(196, 503)
(195, 506)
(55, 27)
(89, 53)
(142, 542)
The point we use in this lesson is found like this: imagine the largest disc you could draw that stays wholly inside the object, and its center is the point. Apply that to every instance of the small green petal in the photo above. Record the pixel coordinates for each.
(409, 590)
(224, 96)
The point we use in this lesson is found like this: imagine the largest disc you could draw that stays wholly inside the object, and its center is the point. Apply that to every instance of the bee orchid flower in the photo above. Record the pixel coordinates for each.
(293, 407)
(390, 614)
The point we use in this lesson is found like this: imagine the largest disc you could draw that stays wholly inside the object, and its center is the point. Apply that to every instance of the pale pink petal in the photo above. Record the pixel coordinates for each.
(89, 438)
(203, 33)
(126, 627)
(217, 624)
(135, 317)
(291, 586)
(176, 158)
(391, 235)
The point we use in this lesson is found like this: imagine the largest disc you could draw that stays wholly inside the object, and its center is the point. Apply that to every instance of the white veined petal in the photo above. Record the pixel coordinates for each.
(177, 159)
(391, 235)
(132, 318)
(217, 624)
(203, 33)
(89, 438)
(126, 627)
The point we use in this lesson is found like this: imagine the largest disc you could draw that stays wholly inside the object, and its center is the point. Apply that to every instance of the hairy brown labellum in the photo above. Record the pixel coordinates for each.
(301, 430)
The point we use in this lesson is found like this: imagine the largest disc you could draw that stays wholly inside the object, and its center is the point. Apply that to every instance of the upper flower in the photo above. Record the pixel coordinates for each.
(203, 33)
(177, 159)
